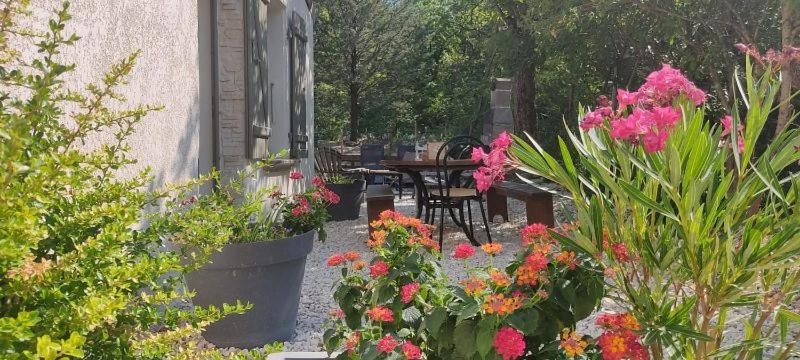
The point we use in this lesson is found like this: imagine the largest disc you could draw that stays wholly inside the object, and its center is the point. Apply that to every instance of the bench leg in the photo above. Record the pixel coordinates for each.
(539, 209)
(496, 205)
(375, 208)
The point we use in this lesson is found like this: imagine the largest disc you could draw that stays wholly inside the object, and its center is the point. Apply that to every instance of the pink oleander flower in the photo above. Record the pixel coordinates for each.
(296, 175)
(503, 141)
(665, 117)
(386, 344)
(626, 98)
(378, 269)
(663, 86)
(509, 343)
(630, 128)
(654, 141)
(591, 120)
(478, 154)
(408, 291)
(463, 251)
(727, 128)
(411, 351)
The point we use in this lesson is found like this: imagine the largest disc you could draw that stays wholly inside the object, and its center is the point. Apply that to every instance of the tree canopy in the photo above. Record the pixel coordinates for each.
(400, 69)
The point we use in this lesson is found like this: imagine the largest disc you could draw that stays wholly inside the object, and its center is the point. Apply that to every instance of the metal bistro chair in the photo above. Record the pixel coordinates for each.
(371, 157)
(452, 192)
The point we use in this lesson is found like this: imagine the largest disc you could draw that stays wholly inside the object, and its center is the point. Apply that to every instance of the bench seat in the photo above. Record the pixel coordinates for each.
(538, 203)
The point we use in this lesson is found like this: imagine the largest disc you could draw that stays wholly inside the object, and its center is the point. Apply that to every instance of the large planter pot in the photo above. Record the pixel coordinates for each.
(268, 275)
(351, 196)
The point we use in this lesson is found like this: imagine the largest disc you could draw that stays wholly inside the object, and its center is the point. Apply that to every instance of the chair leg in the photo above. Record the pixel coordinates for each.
(441, 229)
(469, 214)
(400, 187)
(427, 214)
(485, 222)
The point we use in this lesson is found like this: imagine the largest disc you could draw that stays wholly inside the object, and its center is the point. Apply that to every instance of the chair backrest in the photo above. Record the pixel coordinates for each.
(327, 162)
(372, 155)
(457, 148)
(406, 150)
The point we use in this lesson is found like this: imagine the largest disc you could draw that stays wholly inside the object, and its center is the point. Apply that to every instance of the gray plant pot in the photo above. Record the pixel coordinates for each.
(268, 275)
(351, 196)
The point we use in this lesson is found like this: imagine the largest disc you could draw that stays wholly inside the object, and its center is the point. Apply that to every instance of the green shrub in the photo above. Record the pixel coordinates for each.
(404, 307)
(698, 231)
(80, 277)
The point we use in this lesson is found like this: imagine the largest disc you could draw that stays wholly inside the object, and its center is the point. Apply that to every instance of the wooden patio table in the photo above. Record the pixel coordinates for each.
(414, 169)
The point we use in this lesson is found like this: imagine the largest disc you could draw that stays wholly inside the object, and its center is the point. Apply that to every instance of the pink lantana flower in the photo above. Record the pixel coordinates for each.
(411, 351)
(509, 343)
(408, 291)
(386, 344)
(463, 251)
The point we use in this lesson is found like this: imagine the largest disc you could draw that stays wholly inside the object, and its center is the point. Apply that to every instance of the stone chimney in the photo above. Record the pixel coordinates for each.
(499, 117)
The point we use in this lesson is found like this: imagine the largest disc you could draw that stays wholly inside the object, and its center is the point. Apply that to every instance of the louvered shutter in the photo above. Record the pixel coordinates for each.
(298, 52)
(259, 91)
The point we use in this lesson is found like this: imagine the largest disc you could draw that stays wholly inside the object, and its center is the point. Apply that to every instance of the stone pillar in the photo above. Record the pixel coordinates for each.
(500, 117)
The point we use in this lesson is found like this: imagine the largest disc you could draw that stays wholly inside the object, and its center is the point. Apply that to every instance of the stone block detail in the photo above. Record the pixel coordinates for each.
(231, 67)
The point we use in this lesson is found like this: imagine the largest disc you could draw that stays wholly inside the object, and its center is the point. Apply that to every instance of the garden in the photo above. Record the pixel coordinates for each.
(652, 218)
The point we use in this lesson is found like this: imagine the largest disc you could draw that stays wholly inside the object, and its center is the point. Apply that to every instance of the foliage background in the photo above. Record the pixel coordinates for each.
(436, 58)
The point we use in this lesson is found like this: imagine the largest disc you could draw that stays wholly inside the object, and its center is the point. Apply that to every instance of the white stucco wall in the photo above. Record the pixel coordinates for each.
(166, 73)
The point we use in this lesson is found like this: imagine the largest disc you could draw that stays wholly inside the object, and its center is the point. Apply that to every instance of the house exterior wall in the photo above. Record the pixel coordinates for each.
(166, 73)
(232, 88)
(176, 70)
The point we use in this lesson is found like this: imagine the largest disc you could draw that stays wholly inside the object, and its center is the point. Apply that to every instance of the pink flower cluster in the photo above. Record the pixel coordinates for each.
(302, 207)
(463, 251)
(493, 163)
(653, 115)
(408, 291)
(771, 57)
(509, 343)
(727, 129)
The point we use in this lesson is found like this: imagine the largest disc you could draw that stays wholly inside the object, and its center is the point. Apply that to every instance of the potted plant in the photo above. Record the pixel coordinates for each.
(351, 196)
(263, 264)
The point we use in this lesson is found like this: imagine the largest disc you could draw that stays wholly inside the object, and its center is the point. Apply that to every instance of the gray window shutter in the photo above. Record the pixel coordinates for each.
(299, 43)
(259, 91)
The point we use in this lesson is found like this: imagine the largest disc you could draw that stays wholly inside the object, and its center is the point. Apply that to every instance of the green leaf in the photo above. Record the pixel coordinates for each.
(468, 311)
(486, 330)
(464, 338)
(525, 320)
(434, 320)
(411, 314)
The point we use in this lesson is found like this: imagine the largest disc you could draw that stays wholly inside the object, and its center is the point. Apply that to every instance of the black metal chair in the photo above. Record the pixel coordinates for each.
(371, 157)
(454, 191)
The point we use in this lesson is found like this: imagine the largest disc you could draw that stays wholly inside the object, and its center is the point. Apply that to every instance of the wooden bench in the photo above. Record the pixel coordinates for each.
(379, 198)
(538, 203)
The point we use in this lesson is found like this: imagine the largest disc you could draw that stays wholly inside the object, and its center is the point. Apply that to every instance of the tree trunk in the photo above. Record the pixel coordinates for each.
(355, 111)
(525, 101)
(789, 15)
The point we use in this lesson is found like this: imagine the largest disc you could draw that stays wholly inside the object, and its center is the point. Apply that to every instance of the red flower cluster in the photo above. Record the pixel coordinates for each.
(493, 163)
(339, 259)
(408, 291)
(463, 251)
(378, 269)
(381, 314)
(620, 340)
(386, 344)
(411, 351)
(535, 234)
(509, 343)
(295, 175)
